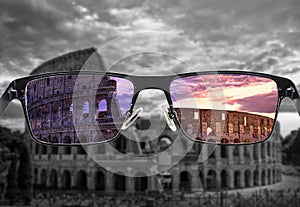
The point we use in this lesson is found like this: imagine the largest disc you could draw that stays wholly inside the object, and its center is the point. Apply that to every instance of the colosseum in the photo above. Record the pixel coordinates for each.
(71, 168)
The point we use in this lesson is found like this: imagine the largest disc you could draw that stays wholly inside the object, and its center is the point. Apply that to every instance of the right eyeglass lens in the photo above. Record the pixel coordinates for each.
(77, 108)
(225, 108)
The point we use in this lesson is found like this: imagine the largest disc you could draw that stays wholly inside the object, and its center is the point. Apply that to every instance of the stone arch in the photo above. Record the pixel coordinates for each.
(269, 148)
(246, 152)
(119, 181)
(67, 140)
(211, 180)
(236, 154)
(236, 151)
(263, 150)
(102, 109)
(274, 175)
(185, 181)
(201, 177)
(269, 176)
(43, 178)
(35, 176)
(263, 177)
(224, 151)
(141, 182)
(53, 179)
(247, 178)
(236, 140)
(54, 149)
(81, 180)
(237, 179)
(224, 179)
(37, 148)
(278, 175)
(256, 178)
(255, 151)
(100, 181)
(224, 140)
(66, 180)
(44, 147)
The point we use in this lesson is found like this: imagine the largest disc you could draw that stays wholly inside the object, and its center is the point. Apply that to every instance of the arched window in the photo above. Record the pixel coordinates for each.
(263, 150)
(211, 180)
(185, 182)
(140, 182)
(35, 177)
(100, 181)
(53, 179)
(236, 151)
(81, 180)
(66, 180)
(54, 149)
(37, 148)
(256, 178)
(119, 182)
(224, 177)
(67, 149)
(71, 108)
(255, 152)
(247, 178)
(237, 179)
(223, 151)
(263, 177)
(102, 105)
(43, 178)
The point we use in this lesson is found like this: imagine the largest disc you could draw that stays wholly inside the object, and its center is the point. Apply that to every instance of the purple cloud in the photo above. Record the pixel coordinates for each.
(261, 103)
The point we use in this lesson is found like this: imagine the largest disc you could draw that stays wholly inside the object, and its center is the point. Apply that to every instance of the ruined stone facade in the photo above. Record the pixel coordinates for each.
(224, 126)
(228, 167)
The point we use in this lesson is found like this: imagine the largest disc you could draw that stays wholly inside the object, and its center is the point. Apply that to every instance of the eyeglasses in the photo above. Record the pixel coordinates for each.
(223, 107)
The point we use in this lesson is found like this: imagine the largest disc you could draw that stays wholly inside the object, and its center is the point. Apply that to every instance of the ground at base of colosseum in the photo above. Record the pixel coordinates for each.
(288, 190)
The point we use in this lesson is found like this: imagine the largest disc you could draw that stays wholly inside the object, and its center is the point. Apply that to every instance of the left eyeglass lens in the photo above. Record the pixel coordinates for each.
(77, 108)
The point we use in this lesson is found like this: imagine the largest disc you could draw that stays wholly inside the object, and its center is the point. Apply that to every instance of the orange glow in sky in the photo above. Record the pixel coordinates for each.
(244, 93)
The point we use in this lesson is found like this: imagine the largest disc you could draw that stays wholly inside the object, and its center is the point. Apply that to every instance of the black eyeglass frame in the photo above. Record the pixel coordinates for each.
(16, 90)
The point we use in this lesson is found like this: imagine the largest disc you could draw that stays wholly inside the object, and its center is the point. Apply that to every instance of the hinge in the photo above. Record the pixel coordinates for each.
(289, 92)
(12, 93)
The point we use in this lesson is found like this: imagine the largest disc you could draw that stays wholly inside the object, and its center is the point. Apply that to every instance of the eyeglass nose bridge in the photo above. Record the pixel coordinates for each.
(153, 83)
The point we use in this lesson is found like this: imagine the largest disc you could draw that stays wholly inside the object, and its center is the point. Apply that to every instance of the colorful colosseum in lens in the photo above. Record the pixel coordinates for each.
(71, 168)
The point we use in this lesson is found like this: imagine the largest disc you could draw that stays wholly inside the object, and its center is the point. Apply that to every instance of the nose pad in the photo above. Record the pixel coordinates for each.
(129, 120)
(169, 119)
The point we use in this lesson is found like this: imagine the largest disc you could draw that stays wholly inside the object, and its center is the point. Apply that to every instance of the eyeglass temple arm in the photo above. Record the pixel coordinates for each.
(6, 97)
(297, 104)
(293, 93)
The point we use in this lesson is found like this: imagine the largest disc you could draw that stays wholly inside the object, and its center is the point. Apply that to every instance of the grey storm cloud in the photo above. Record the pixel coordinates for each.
(258, 35)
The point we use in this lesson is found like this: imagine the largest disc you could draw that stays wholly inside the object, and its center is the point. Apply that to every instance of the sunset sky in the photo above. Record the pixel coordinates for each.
(242, 93)
(258, 35)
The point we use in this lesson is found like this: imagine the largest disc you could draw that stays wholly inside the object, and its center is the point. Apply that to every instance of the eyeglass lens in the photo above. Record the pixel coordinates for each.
(77, 108)
(225, 108)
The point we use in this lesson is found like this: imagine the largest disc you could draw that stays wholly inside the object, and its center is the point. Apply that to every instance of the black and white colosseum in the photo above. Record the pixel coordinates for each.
(71, 168)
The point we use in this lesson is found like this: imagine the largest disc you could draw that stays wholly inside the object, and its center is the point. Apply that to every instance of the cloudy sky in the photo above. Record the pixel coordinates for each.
(257, 35)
